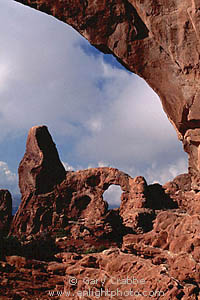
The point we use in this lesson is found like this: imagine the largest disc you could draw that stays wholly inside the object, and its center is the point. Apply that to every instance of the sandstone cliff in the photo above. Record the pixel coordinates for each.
(159, 41)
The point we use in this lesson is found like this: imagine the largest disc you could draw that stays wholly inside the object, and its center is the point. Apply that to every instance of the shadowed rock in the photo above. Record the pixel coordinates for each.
(5, 212)
(40, 169)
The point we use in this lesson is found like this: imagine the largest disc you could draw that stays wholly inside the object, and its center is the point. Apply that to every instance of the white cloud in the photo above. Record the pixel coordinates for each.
(8, 179)
(4, 74)
(49, 81)
(67, 166)
(135, 129)
(102, 164)
(167, 172)
(113, 195)
(95, 125)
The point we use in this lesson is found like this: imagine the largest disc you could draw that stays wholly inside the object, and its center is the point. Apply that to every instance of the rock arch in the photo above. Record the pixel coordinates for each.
(159, 41)
(78, 195)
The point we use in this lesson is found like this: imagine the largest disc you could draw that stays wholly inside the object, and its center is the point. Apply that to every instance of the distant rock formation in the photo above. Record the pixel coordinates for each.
(52, 197)
(5, 212)
(159, 41)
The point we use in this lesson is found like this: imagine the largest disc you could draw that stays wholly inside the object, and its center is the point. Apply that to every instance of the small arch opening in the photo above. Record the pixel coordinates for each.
(113, 196)
(79, 206)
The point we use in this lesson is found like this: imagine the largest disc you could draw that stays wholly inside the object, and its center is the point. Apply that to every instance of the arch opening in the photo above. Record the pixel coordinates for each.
(79, 206)
(113, 196)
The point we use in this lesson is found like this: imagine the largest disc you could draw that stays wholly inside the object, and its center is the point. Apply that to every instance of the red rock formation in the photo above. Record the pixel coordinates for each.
(159, 41)
(22, 278)
(52, 198)
(111, 272)
(5, 212)
(174, 240)
(40, 169)
(156, 227)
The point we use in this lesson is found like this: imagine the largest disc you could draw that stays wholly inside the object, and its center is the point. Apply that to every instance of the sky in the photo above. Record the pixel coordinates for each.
(97, 112)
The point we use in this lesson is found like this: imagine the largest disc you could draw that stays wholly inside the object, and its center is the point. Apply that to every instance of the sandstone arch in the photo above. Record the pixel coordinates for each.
(159, 41)
(71, 195)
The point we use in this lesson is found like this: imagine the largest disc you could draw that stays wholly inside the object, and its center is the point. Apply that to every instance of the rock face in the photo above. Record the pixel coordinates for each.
(5, 212)
(40, 169)
(159, 41)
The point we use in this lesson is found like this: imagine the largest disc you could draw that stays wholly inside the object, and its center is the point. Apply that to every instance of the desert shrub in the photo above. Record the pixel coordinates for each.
(60, 233)
(101, 248)
(90, 250)
(41, 247)
(95, 250)
(10, 245)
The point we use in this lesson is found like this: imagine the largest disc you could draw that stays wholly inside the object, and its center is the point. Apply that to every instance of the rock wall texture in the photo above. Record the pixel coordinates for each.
(111, 274)
(159, 41)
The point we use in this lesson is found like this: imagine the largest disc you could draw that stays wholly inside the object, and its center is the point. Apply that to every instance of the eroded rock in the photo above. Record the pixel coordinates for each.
(53, 198)
(40, 169)
(23, 278)
(114, 274)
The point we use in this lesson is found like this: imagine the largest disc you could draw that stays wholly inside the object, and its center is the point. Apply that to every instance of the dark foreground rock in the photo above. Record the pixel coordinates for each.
(5, 212)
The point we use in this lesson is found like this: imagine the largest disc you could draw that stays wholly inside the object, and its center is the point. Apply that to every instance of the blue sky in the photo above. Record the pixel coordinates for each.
(98, 113)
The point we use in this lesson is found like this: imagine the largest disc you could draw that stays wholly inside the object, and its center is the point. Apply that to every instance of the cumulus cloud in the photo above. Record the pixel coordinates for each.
(67, 166)
(8, 179)
(134, 130)
(102, 164)
(113, 196)
(165, 173)
(52, 79)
